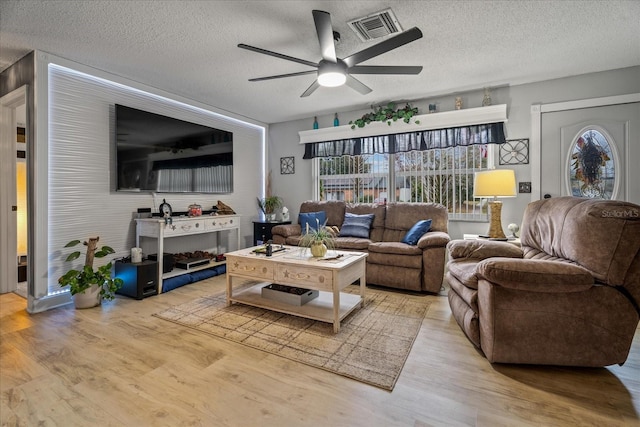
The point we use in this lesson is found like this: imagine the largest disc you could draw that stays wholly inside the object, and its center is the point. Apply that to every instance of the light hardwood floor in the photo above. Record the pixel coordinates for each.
(119, 366)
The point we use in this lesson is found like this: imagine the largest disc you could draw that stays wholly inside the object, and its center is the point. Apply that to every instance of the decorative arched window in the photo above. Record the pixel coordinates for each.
(592, 165)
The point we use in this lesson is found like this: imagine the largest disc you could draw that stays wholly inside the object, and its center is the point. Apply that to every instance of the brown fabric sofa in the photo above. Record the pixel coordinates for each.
(570, 296)
(390, 263)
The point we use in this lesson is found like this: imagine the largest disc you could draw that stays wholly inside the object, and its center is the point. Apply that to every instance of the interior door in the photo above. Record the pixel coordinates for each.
(592, 152)
(8, 205)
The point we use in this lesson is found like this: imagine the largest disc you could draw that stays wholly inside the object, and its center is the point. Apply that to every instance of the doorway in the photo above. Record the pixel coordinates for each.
(587, 148)
(588, 152)
(13, 188)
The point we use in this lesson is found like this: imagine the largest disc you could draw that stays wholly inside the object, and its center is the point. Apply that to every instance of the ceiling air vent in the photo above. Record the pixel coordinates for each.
(376, 25)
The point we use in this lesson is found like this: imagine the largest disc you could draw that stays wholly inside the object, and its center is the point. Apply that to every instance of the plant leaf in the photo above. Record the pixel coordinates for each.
(72, 243)
(72, 256)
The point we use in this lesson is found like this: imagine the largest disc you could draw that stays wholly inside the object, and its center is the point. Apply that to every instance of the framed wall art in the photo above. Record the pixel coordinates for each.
(287, 165)
(515, 152)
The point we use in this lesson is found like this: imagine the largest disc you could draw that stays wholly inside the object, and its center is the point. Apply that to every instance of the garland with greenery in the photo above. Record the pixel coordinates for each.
(388, 114)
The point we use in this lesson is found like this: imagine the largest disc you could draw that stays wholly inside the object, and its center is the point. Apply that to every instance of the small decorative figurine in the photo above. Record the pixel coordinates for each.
(486, 101)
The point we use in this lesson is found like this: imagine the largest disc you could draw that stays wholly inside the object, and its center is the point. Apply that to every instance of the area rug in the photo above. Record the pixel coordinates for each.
(372, 345)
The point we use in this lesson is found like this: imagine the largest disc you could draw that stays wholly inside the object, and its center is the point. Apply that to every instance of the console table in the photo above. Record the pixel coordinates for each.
(157, 229)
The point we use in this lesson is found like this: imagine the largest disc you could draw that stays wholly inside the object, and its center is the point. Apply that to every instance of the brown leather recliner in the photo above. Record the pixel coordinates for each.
(570, 296)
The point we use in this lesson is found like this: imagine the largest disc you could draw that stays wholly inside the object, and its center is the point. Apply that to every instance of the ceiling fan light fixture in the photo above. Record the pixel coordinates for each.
(333, 71)
(332, 74)
(331, 79)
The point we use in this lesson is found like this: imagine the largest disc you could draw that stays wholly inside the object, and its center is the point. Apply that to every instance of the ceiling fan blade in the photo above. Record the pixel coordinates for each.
(279, 76)
(315, 85)
(357, 85)
(277, 55)
(383, 69)
(325, 35)
(383, 47)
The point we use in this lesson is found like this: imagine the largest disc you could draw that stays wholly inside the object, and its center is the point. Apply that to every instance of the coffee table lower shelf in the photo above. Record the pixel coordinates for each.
(320, 308)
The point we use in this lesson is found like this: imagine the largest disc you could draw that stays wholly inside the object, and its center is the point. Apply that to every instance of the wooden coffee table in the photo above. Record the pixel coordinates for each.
(295, 266)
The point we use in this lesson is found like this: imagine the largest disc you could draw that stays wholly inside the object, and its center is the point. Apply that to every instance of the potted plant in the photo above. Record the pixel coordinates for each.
(387, 114)
(89, 286)
(268, 206)
(319, 239)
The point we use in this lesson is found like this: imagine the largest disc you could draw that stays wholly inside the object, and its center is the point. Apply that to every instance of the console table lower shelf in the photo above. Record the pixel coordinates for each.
(319, 308)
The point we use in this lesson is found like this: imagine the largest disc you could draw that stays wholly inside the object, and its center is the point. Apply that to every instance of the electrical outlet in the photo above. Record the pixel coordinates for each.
(524, 187)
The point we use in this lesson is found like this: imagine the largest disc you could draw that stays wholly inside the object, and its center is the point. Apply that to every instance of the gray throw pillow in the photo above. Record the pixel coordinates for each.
(356, 225)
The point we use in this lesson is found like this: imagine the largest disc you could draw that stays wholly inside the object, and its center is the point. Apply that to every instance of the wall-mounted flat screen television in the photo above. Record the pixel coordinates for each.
(166, 155)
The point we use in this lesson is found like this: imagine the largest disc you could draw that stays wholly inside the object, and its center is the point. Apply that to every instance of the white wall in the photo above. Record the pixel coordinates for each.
(298, 187)
(76, 166)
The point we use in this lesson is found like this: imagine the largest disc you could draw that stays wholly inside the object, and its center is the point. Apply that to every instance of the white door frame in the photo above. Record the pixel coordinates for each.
(536, 129)
(8, 198)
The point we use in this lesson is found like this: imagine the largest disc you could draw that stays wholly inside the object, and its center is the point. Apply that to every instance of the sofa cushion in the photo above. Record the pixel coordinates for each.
(418, 229)
(466, 317)
(433, 239)
(334, 210)
(468, 295)
(293, 240)
(402, 216)
(535, 275)
(568, 227)
(397, 261)
(356, 225)
(311, 220)
(464, 270)
(379, 212)
(394, 248)
(352, 243)
(482, 249)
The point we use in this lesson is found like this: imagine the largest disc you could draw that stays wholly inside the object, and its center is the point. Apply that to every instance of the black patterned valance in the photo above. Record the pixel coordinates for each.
(491, 133)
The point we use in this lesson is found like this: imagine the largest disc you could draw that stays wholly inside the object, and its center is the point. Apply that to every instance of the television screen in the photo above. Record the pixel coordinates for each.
(162, 154)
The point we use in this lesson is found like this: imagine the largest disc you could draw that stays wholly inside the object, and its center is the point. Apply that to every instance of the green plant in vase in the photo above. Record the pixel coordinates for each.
(319, 239)
(268, 205)
(89, 286)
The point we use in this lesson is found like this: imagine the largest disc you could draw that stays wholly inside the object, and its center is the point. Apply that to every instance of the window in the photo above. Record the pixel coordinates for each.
(435, 163)
(592, 171)
(443, 175)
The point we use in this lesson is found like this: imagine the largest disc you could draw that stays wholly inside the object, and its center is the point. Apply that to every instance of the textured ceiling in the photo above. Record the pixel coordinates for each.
(190, 47)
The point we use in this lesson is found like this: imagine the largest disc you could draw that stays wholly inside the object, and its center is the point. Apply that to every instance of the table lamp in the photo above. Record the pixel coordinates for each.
(493, 184)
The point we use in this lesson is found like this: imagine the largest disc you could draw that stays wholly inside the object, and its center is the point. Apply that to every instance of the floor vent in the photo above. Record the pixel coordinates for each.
(376, 25)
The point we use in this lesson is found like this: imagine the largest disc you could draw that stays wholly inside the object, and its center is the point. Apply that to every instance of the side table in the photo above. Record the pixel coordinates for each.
(262, 230)
(512, 240)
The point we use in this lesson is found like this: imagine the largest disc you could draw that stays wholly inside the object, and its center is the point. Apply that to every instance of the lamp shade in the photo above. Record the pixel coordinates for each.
(494, 183)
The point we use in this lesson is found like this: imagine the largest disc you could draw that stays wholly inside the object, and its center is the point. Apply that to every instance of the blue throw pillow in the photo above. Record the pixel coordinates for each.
(356, 225)
(416, 232)
(313, 219)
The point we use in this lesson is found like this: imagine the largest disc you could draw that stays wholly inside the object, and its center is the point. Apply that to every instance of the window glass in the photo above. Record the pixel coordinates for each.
(442, 176)
(592, 170)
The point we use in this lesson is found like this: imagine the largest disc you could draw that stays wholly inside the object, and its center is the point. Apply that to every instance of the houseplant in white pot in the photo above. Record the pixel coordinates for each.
(89, 286)
(269, 205)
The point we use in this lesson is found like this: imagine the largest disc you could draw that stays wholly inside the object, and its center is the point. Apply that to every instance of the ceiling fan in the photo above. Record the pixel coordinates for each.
(333, 71)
